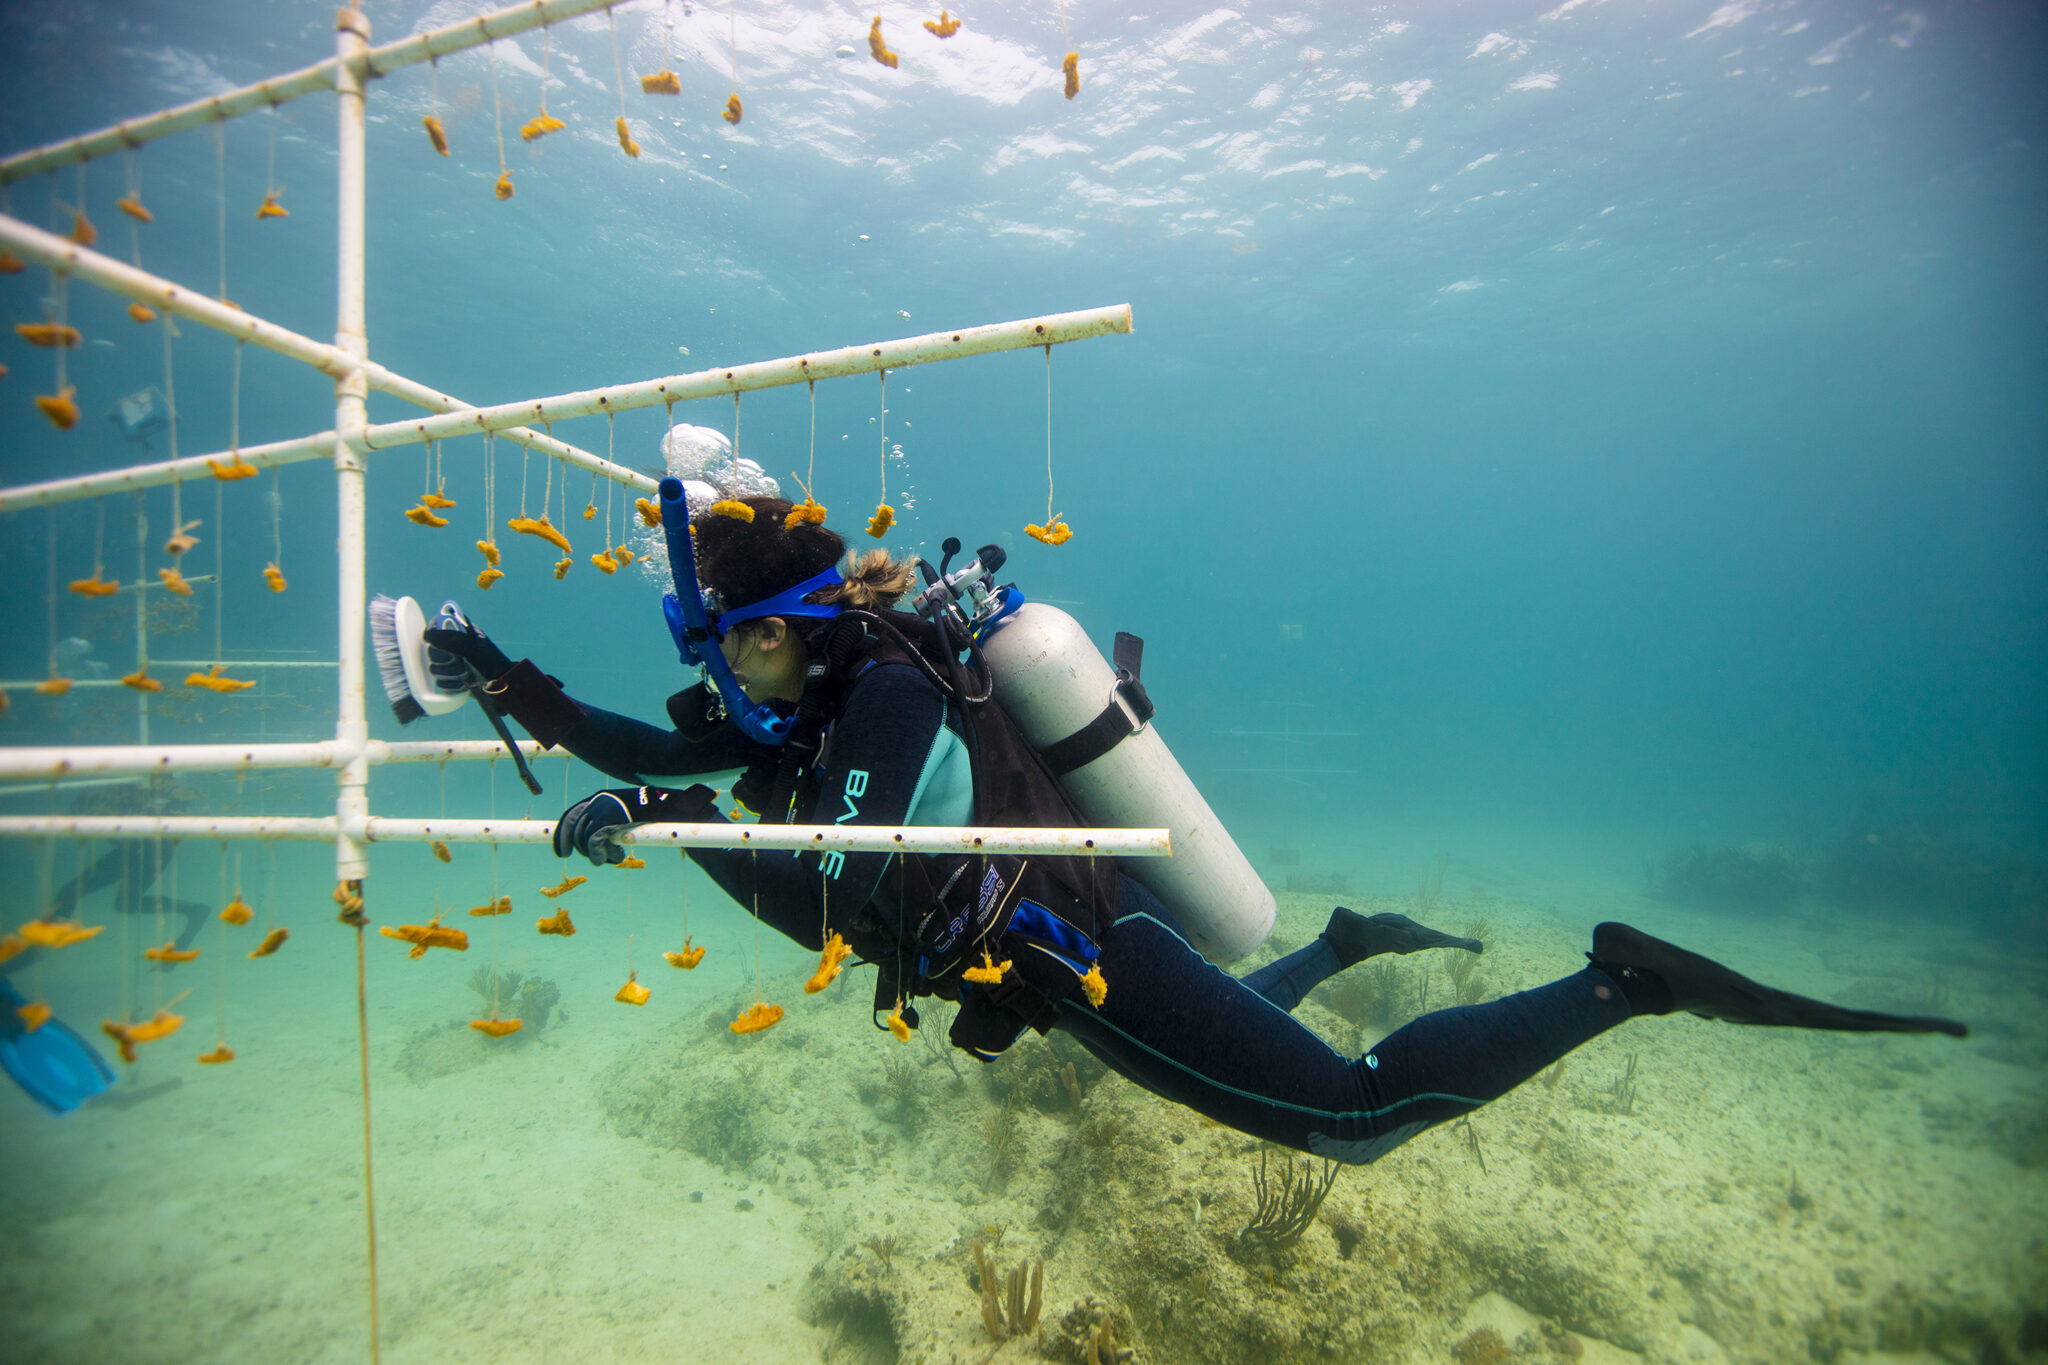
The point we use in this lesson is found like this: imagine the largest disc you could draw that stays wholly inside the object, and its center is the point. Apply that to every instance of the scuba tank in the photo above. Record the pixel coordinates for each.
(1092, 725)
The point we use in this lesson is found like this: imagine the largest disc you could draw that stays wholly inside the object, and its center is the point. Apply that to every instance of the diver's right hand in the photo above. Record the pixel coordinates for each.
(591, 826)
(459, 655)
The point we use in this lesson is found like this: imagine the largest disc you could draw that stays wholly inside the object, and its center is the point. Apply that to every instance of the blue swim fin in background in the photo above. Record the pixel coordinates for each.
(59, 1069)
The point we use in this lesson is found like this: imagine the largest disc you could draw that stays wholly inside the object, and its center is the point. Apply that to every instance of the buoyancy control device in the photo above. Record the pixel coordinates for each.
(1091, 723)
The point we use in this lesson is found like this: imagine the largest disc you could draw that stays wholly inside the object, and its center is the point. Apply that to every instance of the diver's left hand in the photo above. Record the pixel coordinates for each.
(591, 826)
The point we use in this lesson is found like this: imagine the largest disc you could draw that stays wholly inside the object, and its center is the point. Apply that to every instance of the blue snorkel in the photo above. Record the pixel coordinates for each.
(697, 634)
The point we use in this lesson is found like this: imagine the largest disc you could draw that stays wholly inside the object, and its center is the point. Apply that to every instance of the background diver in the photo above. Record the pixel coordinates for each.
(841, 709)
(57, 1067)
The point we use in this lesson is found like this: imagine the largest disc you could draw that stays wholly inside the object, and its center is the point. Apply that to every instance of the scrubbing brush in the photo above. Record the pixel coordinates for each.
(398, 637)
(398, 634)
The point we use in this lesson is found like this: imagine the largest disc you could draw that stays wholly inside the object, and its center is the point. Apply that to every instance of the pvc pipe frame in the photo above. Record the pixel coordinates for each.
(67, 257)
(351, 828)
(926, 839)
(368, 62)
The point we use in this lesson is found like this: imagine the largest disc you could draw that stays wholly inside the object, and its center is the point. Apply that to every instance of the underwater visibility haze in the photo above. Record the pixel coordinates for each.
(1570, 463)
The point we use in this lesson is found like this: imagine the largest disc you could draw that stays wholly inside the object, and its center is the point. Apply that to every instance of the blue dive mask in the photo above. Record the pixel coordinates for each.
(698, 630)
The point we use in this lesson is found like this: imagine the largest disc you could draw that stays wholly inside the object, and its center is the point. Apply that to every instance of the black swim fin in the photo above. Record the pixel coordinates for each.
(1356, 937)
(58, 1069)
(1662, 978)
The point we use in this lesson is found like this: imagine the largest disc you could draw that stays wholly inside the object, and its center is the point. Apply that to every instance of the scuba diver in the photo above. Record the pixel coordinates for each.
(843, 710)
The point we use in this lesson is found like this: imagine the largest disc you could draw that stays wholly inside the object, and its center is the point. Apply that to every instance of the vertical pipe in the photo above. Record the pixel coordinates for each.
(350, 413)
(351, 389)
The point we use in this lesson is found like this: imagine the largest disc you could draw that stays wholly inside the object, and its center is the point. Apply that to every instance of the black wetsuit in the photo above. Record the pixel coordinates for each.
(1172, 1022)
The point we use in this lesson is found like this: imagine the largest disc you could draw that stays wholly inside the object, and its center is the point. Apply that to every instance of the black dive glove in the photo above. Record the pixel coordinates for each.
(459, 655)
(588, 826)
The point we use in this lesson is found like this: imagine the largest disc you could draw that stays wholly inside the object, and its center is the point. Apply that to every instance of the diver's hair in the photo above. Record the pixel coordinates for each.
(874, 581)
(745, 561)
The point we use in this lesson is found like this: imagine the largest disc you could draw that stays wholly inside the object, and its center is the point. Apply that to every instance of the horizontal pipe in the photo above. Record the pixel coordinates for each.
(317, 827)
(44, 764)
(62, 254)
(1122, 843)
(431, 751)
(27, 764)
(1050, 330)
(72, 784)
(378, 61)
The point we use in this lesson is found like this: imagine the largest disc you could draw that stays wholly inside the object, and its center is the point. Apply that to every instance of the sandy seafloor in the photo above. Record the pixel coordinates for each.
(636, 1184)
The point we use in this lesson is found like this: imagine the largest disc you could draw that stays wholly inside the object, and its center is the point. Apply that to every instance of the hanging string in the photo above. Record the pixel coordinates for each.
(733, 109)
(46, 856)
(220, 573)
(611, 487)
(220, 180)
(272, 192)
(156, 845)
(277, 525)
(686, 900)
(436, 134)
(142, 603)
(492, 808)
(176, 545)
(885, 515)
(221, 1013)
(735, 437)
(811, 470)
(1071, 66)
(60, 298)
(235, 404)
(125, 911)
(565, 484)
(618, 68)
(133, 178)
(1048, 438)
(50, 593)
(1055, 531)
(754, 865)
(626, 143)
(369, 1186)
(504, 185)
(630, 972)
(99, 540)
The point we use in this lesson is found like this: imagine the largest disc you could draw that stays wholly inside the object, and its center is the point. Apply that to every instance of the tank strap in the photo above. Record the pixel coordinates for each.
(1129, 711)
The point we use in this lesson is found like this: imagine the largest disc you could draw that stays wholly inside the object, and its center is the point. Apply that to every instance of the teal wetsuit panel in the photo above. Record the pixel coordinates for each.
(944, 794)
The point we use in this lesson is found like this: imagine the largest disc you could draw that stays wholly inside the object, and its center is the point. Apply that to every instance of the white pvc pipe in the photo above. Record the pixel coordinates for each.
(351, 394)
(431, 751)
(1051, 330)
(1121, 843)
(311, 80)
(63, 255)
(321, 827)
(25, 764)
